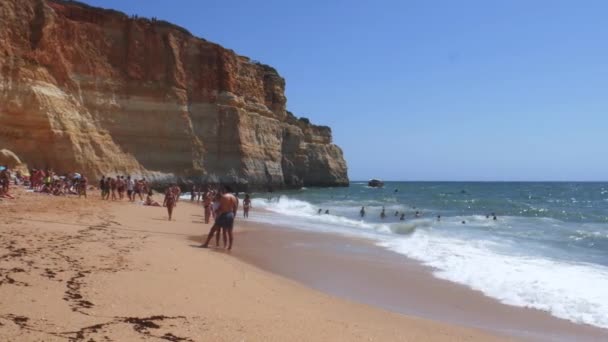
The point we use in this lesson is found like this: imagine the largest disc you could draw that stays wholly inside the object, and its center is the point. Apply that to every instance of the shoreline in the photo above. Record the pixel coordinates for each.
(80, 269)
(361, 271)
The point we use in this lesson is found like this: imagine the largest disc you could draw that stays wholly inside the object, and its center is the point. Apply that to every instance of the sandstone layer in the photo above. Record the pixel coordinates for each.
(93, 90)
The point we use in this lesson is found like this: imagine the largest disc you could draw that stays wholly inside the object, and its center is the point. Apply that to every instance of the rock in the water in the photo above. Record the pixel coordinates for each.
(92, 90)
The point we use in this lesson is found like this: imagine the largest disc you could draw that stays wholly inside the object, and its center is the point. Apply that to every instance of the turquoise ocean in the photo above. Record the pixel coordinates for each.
(547, 249)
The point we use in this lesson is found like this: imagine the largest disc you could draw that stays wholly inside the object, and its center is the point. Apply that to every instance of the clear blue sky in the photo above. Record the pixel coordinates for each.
(430, 90)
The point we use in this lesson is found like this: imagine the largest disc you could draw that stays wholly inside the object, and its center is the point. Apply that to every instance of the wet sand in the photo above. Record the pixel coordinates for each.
(87, 270)
(358, 270)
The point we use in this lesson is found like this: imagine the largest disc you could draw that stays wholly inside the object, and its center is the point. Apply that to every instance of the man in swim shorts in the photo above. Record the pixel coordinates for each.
(229, 205)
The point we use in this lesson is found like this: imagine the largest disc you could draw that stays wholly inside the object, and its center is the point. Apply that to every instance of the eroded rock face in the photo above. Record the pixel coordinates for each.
(93, 90)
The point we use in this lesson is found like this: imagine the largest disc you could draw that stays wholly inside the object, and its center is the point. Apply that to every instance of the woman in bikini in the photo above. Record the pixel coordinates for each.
(246, 206)
(169, 201)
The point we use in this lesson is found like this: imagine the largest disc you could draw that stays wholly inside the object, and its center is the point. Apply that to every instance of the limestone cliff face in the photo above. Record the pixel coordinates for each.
(88, 89)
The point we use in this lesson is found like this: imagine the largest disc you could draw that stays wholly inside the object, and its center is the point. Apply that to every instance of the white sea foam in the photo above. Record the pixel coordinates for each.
(301, 214)
(569, 290)
(573, 291)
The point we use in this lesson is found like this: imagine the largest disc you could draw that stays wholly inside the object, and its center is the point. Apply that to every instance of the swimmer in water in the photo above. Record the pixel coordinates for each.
(396, 213)
(494, 218)
(320, 211)
(382, 214)
(402, 217)
(417, 214)
(463, 222)
(438, 217)
(327, 211)
(362, 212)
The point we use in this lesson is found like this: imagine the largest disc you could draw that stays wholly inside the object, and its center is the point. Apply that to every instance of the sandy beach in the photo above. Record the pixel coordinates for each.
(94, 270)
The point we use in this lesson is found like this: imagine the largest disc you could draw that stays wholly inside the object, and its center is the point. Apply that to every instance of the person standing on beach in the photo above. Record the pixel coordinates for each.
(362, 212)
(82, 186)
(193, 193)
(228, 206)
(130, 187)
(207, 206)
(169, 201)
(246, 206)
(176, 192)
(5, 179)
(102, 187)
(139, 187)
(113, 188)
(120, 186)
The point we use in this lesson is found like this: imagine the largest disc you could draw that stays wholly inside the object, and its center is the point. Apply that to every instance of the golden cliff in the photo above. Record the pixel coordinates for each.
(92, 90)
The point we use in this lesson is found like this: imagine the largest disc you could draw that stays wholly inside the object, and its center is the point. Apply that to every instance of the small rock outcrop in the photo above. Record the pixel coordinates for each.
(93, 90)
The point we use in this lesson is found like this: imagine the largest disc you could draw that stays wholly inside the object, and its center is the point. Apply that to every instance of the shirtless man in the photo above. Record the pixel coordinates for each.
(169, 201)
(228, 207)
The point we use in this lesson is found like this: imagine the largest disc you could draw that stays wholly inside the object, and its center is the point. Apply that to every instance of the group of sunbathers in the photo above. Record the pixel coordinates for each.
(44, 182)
(219, 203)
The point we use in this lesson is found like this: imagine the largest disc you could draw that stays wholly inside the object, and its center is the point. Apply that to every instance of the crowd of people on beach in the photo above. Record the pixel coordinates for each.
(43, 181)
(115, 188)
(219, 203)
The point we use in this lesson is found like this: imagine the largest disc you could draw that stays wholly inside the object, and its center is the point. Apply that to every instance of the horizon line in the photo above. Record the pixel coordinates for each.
(492, 181)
